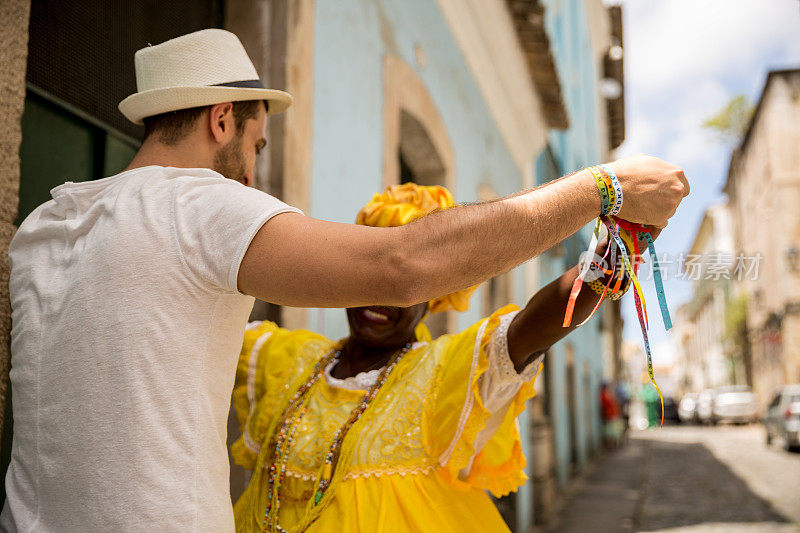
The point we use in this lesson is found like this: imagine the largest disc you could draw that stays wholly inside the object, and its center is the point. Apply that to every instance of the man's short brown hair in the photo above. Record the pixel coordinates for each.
(171, 127)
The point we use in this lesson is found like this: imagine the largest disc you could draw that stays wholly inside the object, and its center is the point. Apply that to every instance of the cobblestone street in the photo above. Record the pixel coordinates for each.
(689, 478)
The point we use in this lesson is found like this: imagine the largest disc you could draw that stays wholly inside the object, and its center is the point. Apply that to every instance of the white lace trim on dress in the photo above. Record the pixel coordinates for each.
(362, 380)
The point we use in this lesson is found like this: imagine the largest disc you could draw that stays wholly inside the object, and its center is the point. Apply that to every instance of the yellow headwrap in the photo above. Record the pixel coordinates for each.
(401, 204)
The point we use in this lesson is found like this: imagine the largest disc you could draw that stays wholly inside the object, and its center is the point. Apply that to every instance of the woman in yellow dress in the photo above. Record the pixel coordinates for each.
(389, 429)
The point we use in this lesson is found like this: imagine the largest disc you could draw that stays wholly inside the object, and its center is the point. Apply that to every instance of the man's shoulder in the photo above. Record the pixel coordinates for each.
(201, 183)
(155, 175)
(184, 178)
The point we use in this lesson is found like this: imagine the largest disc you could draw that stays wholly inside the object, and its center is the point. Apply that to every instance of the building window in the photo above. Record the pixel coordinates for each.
(418, 162)
(80, 66)
(417, 148)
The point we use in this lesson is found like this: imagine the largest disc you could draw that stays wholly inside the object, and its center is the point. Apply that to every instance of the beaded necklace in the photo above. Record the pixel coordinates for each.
(285, 436)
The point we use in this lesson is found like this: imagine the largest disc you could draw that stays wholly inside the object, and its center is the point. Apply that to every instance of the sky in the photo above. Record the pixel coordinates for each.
(684, 60)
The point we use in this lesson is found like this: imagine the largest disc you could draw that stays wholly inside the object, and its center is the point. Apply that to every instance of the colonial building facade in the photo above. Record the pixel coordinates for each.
(707, 356)
(763, 188)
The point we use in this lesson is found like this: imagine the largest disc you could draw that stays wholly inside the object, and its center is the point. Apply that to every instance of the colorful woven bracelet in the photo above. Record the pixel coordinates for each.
(602, 188)
(612, 193)
(622, 234)
(617, 285)
(617, 186)
(599, 288)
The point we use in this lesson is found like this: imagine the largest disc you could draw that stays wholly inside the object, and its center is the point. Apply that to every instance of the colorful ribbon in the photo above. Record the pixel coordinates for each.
(617, 189)
(638, 296)
(625, 235)
(576, 286)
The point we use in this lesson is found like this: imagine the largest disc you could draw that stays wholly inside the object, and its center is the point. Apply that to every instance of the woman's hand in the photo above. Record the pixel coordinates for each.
(654, 233)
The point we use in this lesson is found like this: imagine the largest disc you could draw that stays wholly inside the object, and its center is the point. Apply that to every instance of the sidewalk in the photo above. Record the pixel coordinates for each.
(604, 499)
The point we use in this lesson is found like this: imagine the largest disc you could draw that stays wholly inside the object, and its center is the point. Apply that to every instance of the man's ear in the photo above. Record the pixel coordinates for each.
(221, 122)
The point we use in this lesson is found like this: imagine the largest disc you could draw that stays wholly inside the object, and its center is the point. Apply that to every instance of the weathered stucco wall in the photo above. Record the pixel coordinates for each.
(576, 362)
(14, 16)
(764, 190)
(352, 39)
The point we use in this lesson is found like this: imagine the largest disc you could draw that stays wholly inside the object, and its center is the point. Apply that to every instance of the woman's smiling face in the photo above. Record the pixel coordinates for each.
(378, 326)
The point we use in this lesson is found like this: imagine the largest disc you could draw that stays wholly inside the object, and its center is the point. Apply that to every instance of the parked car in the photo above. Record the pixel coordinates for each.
(737, 404)
(671, 411)
(687, 408)
(705, 406)
(782, 419)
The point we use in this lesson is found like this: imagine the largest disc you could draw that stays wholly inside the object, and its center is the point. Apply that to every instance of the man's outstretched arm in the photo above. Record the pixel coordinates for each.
(302, 262)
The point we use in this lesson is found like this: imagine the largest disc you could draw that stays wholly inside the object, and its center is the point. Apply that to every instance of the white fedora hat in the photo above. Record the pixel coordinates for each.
(203, 68)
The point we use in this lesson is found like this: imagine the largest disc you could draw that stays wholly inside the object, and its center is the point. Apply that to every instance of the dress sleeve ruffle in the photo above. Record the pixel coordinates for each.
(245, 393)
(270, 360)
(456, 414)
(500, 465)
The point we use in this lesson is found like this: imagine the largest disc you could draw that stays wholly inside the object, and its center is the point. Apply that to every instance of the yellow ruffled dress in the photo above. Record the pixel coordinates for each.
(403, 456)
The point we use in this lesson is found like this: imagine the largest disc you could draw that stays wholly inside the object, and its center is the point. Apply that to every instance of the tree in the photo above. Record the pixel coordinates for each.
(736, 336)
(730, 123)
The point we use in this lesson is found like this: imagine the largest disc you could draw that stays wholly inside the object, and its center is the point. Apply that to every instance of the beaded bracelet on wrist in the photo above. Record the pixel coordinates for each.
(618, 286)
(599, 287)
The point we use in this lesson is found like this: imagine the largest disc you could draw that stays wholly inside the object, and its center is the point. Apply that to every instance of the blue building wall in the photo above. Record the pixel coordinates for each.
(351, 38)
(573, 149)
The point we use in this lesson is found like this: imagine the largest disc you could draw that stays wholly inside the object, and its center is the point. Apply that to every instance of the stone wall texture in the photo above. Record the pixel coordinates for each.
(14, 16)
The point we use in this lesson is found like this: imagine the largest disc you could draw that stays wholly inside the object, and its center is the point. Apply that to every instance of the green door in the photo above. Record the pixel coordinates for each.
(59, 146)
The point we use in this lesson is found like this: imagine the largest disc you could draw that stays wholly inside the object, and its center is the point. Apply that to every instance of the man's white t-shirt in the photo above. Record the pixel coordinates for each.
(127, 323)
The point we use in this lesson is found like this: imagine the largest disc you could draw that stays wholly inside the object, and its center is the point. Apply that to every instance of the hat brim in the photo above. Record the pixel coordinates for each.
(156, 101)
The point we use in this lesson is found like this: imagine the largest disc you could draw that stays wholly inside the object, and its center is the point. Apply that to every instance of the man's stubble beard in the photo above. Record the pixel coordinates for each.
(230, 160)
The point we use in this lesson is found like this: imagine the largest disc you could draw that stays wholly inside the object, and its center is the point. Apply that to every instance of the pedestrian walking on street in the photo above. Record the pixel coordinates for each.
(611, 416)
(623, 395)
(652, 405)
